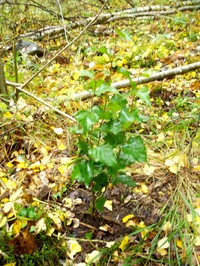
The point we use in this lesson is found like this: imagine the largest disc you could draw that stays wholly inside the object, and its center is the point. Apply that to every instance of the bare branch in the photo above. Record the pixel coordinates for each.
(141, 80)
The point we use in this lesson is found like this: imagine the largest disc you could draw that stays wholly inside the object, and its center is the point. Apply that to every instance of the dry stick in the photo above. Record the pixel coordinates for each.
(191, 141)
(141, 80)
(49, 62)
(108, 17)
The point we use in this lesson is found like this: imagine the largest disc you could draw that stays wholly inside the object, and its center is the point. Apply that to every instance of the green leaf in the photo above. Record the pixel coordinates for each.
(103, 50)
(93, 84)
(100, 113)
(87, 73)
(3, 106)
(133, 151)
(99, 203)
(105, 88)
(115, 139)
(103, 154)
(113, 126)
(124, 34)
(31, 213)
(127, 75)
(124, 179)
(88, 235)
(23, 212)
(83, 146)
(124, 72)
(180, 20)
(83, 172)
(127, 117)
(86, 119)
(100, 181)
(143, 94)
(116, 103)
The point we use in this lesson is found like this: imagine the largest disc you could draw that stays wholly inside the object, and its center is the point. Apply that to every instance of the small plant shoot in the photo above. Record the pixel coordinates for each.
(105, 144)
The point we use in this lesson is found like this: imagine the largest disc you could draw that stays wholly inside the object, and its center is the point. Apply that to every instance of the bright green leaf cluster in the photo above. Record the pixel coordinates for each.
(105, 143)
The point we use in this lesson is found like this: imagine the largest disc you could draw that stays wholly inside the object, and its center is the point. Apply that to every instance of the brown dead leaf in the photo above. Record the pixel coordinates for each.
(23, 243)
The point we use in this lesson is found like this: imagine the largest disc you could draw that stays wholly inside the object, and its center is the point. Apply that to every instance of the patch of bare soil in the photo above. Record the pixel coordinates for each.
(108, 225)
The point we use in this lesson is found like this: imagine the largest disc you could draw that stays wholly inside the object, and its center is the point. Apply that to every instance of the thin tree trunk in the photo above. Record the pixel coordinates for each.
(3, 86)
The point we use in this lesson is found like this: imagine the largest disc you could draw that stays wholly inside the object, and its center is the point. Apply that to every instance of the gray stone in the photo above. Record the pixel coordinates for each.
(30, 48)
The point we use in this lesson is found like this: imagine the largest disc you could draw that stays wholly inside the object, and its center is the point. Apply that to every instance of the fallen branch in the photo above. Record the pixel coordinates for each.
(137, 12)
(142, 80)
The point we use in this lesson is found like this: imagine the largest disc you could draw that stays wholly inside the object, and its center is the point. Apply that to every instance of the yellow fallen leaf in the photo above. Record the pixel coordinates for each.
(163, 243)
(165, 116)
(55, 218)
(67, 202)
(3, 221)
(10, 184)
(144, 188)
(197, 241)
(176, 162)
(94, 257)
(108, 205)
(62, 147)
(162, 251)
(179, 243)
(127, 217)
(124, 243)
(2, 174)
(58, 130)
(63, 169)
(137, 190)
(40, 226)
(131, 223)
(7, 206)
(22, 165)
(66, 160)
(17, 227)
(167, 227)
(148, 169)
(50, 231)
(106, 58)
(76, 75)
(110, 244)
(74, 248)
(16, 194)
(119, 63)
(144, 233)
(194, 216)
(173, 169)
(44, 151)
(160, 137)
(7, 115)
(50, 165)
(10, 165)
(35, 165)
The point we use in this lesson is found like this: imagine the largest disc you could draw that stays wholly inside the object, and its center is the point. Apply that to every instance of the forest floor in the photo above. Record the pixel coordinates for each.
(46, 219)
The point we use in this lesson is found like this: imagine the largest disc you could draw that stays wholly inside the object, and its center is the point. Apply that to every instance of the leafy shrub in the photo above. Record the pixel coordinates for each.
(105, 144)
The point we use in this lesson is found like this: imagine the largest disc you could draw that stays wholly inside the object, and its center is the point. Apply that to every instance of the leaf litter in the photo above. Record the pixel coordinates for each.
(37, 195)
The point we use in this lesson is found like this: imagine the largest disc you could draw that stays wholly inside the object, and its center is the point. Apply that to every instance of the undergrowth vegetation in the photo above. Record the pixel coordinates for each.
(120, 186)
